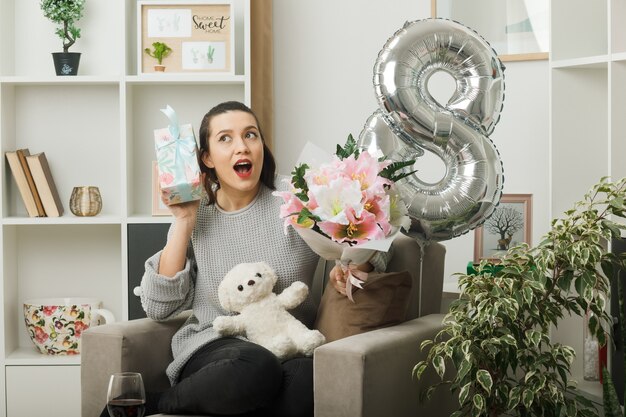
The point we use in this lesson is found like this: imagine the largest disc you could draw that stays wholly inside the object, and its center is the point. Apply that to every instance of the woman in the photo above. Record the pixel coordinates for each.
(237, 222)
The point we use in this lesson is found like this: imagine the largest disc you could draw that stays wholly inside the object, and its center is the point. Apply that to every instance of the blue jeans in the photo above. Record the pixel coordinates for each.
(230, 376)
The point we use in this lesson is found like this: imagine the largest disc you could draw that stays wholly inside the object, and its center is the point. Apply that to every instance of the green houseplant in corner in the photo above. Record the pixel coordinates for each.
(65, 13)
(496, 335)
(159, 51)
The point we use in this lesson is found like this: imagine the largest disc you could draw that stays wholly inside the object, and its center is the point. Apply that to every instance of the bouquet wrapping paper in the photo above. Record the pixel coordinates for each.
(176, 151)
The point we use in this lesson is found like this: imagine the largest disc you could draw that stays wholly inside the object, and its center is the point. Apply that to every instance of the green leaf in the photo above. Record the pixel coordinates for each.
(464, 393)
(479, 402)
(514, 397)
(464, 369)
(350, 148)
(528, 295)
(484, 379)
(419, 369)
(534, 337)
(509, 340)
(528, 396)
(439, 365)
(390, 171)
(425, 343)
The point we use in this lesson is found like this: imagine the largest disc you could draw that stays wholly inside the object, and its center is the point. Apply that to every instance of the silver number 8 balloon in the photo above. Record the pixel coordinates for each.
(457, 132)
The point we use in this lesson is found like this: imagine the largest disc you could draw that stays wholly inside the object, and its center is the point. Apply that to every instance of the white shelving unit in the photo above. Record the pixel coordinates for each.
(588, 127)
(96, 129)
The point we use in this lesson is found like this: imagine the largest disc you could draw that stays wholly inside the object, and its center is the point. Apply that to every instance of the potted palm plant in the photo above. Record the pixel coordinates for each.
(65, 13)
(159, 51)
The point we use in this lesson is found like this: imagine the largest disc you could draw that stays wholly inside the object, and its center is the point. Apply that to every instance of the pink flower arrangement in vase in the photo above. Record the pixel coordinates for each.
(348, 208)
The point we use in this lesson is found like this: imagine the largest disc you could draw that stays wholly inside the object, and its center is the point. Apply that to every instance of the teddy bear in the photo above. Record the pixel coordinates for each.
(263, 317)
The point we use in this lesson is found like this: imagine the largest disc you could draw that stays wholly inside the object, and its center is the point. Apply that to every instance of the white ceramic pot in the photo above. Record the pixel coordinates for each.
(55, 325)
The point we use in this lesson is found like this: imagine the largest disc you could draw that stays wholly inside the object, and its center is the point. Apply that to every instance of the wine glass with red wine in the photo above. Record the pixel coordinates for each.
(126, 396)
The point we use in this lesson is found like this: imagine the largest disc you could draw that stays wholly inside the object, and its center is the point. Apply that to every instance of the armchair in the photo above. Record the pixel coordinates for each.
(366, 375)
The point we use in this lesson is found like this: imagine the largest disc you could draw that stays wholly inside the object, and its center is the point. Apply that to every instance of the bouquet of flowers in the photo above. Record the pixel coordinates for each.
(347, 209)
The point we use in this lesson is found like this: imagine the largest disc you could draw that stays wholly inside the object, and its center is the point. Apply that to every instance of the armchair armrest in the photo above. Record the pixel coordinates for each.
(370, 374)
(135, 346)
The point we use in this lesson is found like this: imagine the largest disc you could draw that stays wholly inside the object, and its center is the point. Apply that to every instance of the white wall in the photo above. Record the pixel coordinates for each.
(324, 53)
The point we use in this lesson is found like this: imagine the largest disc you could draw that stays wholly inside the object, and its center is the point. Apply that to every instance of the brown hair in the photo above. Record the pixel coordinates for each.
(211, 182)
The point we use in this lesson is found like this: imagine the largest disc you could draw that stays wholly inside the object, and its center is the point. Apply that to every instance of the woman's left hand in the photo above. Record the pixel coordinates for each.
(338, 277)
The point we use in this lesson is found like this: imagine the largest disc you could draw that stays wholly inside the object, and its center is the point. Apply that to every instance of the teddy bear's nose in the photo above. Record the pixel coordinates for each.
(251, 282)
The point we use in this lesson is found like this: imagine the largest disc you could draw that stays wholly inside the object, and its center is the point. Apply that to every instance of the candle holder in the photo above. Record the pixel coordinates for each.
(86, 201)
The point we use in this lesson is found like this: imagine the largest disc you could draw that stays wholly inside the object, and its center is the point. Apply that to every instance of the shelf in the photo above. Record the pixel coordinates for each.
(186, 79)
(138, 219)
(590, 62)
(56, 80)
(31, 356)
(63, 220)
(618, 57)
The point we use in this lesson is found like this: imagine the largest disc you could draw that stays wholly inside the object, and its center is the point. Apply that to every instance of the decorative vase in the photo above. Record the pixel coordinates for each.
(66, 63)
(85, 201)
(591, 353)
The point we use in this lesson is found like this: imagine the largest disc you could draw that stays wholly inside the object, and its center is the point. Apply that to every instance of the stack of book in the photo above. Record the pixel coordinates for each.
(34, 181)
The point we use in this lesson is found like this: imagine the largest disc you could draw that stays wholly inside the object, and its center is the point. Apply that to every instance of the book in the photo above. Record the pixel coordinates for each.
(40, 170)
(22, 154)
(22, 183)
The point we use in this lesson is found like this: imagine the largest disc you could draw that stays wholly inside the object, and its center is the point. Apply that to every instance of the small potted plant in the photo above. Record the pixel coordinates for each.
(65, 13)
(159, 51)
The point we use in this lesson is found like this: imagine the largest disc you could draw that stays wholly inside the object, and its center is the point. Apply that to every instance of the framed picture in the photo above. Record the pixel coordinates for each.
(158, 207)
(518, 30)
(199, 33)
(509, 225)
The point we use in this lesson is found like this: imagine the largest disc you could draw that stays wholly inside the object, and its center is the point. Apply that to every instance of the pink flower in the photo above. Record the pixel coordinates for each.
(379, 206)
(291, 209)
(40, 335)
(358, 230)
(363, 169)
(48, 310)
(79, 327)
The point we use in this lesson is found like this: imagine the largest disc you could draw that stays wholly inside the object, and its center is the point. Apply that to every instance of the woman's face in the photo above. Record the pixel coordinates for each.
(235, 151)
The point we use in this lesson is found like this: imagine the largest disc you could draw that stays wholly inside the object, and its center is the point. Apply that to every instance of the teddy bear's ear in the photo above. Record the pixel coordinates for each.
(224, 296)
(268, 271)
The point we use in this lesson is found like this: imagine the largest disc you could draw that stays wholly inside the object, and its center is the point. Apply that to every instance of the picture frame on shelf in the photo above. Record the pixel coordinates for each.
(200, 34)
(158, 206)
(509, 225)
(518, 30)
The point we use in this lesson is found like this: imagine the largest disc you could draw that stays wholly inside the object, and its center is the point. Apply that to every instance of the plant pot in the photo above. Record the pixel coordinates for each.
(66, 63)
(159, 68)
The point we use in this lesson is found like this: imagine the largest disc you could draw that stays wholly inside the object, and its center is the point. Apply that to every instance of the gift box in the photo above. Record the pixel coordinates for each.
(176, 150)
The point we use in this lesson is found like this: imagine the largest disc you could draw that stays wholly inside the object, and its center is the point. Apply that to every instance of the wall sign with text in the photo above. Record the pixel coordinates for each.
(200, 34)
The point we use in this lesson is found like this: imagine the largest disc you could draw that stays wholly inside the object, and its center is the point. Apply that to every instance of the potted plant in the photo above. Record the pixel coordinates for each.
(65, 13)
(496, 335)
(159, 51)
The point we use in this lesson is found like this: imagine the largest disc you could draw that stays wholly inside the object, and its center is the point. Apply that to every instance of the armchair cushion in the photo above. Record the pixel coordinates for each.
(383, 301)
